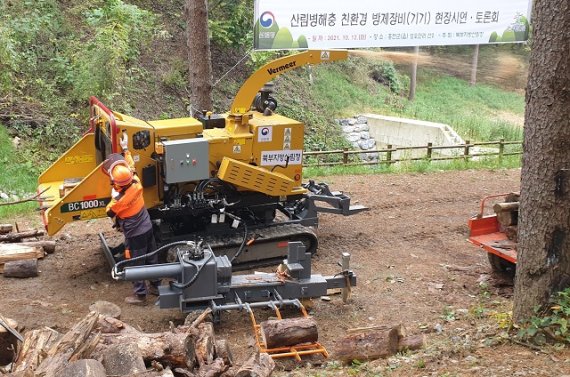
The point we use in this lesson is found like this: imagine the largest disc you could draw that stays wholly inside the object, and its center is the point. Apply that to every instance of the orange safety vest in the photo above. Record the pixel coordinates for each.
(129, 202)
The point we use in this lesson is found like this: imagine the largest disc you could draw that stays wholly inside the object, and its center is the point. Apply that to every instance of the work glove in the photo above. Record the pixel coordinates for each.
(124, 142)
(114, 193)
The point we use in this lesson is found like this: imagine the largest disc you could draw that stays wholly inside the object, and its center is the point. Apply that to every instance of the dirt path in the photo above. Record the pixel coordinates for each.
(413, 263)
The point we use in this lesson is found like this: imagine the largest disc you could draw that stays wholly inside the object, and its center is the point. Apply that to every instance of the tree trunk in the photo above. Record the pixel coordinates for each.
(199, 58)
(413, 74)
(48, 246)
(167, 347)
(223, 351)
(18, 236)
(474, 64)
(26, 268)
(543, 265)
(288, 332)
(368, 346)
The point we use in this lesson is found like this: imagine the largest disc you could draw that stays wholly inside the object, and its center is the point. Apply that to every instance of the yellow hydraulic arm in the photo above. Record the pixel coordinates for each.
(269, 71)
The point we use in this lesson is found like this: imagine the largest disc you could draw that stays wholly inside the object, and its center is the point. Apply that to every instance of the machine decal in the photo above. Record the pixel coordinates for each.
(85, 205)
(325, 55)
(237, 148)
(83, 159)
(272, 158)
(93, 214)
(265, 134)
(287, 139)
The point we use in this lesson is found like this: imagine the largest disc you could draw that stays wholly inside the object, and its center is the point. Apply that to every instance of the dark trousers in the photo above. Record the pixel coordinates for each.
(141, 245)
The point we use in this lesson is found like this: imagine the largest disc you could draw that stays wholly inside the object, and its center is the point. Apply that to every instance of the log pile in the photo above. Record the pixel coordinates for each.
(20, 251)
(100, 346)
(508, 214)
(374, 342)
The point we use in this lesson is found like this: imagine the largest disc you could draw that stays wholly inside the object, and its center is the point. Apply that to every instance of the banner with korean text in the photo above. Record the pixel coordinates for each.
(320, 24)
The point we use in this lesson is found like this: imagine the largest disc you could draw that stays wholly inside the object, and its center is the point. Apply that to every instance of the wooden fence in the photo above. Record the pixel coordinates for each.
(385, 156)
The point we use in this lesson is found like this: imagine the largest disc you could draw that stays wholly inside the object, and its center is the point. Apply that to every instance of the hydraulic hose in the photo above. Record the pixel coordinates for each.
(131, 260)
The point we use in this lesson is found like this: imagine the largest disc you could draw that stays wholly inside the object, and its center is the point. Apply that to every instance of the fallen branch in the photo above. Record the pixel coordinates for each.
(34, 198)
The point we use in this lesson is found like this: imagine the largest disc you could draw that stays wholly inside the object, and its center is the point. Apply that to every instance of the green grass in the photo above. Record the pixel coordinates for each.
(508, 162)
(476, 113)
(17, 177)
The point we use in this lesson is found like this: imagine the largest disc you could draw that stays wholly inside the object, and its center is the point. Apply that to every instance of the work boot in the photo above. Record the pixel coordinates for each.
(139, 300)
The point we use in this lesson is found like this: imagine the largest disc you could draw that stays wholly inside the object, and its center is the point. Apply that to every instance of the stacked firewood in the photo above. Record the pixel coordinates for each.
(508, 214)
(100, 346)
(20, 251)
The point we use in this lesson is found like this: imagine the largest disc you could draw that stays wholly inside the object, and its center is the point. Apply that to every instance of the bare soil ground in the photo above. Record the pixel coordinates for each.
(413, 263)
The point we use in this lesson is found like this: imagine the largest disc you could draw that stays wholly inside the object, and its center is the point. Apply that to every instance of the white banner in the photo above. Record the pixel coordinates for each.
(319, 24)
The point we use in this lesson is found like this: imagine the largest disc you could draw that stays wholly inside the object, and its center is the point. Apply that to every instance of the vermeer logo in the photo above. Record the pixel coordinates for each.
(273, 71)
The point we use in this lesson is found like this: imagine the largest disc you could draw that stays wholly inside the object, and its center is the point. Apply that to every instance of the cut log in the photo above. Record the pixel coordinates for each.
(84, 368)
(258, 365)
(412, 342)
(48, 246)
(69, 345)
(215, 369)
(507, 218)
(399, 329)
(6, 228)
(222, 348)
(167, 348)
(123, 360)
(153, 373)
(13, 251)
(18, 236)
(34, 348)
(8, 342)
(27, 268)
(367, 346)
(106, 309)
(205, 344)
(288, 332)
(506, 207)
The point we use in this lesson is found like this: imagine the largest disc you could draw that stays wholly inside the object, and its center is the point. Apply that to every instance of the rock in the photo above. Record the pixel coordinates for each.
(4, 196)
(352, 122)
(348, 129)
(123, 360)
(106, 308)
(365, 135)
(366, 144)
(362, 119)
(353, 137)
(83, 368)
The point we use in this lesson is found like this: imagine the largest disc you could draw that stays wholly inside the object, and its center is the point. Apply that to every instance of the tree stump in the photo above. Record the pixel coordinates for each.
(27, 268)
(8, 342)
(288, 332)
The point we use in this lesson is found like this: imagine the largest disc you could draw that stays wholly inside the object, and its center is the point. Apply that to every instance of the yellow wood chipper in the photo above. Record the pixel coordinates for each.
(234, 180)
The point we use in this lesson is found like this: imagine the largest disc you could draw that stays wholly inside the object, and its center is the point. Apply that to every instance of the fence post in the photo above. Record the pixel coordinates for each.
(501, 149)
(344, 156)
(429, 151)
(466, 150)
(389, 154)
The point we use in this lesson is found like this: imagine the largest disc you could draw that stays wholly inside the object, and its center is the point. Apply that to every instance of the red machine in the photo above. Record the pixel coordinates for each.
(496, 232)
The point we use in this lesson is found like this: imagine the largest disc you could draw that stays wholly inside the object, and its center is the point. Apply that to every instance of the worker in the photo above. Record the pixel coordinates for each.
(131, 217)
